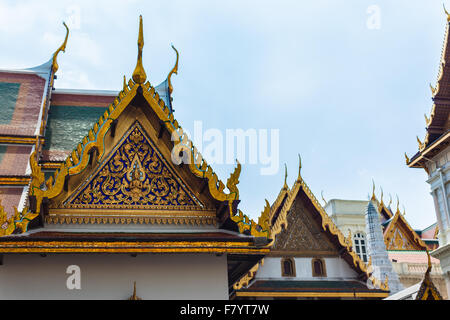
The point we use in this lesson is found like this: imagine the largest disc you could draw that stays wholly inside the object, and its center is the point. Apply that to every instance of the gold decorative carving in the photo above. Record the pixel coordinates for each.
(245, 280)
(17, 223)
(49, 190)
(136, 176)
(407, 159)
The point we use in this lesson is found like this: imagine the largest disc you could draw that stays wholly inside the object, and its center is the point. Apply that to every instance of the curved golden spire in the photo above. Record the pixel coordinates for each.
(125, 85)
(446, 12)
(429, 262)
(407, 158)
(373, 191)
(398, 205)
(174, 70)
(139, 75)
(427, 120)
(433, 90)
(300, 168)
(421, 144)
(62, 48)
(390, 200)
(285, 177)
(382, 194)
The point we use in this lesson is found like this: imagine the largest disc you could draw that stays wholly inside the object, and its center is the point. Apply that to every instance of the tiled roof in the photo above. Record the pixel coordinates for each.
(411, 257)
(71, 115)
(308, 286)
(21, 97)
(14, 160)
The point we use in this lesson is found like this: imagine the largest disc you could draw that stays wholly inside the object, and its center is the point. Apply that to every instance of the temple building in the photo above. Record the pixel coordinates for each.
(309, 258)
(99, 202)
(434, 156)
(406, 247)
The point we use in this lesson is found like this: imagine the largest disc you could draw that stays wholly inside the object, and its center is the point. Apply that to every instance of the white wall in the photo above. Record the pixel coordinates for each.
(107, 276)
(336, 269)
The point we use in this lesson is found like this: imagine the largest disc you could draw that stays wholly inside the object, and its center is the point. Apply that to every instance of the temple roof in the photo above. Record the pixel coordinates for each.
(302, 225)
(134, 131)
(438, 122)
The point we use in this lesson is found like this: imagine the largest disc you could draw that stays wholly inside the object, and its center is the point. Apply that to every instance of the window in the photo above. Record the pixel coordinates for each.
(360, 246)
(288, 267)
(318, 268)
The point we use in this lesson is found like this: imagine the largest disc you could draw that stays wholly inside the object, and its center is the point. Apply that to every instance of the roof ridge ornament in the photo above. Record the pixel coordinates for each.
(139, 75)
(62, 48)
(446, 12)
(174, 70)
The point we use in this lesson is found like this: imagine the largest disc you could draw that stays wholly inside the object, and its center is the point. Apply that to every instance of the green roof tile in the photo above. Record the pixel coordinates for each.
(68, 125)
(8, 98)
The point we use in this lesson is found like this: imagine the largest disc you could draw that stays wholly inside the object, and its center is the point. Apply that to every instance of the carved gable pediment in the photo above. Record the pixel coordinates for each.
(134, 175)
(303, 234)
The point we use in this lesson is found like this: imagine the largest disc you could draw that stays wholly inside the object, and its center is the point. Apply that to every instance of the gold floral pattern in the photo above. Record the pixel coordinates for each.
(135, 175)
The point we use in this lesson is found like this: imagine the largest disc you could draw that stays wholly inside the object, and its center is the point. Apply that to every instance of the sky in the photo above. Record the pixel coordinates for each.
(346, 82)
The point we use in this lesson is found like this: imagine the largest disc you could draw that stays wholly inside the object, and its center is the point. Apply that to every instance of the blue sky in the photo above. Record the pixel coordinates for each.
(351, 100)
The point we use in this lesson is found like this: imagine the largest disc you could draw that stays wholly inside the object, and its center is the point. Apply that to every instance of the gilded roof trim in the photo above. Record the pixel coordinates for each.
(399, 222)
(428, 290)
(327, 225)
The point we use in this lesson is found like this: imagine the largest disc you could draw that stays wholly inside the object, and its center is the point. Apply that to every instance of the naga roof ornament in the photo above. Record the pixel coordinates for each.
(62, 48)
(174, 71)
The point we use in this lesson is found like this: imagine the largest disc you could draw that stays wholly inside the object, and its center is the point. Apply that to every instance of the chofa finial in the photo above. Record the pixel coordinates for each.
(323, 198)
(62, 48)
(382, 195)
(139, 75)
(174, 70)
(374, 197)
(398, 204)
(446, 12)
